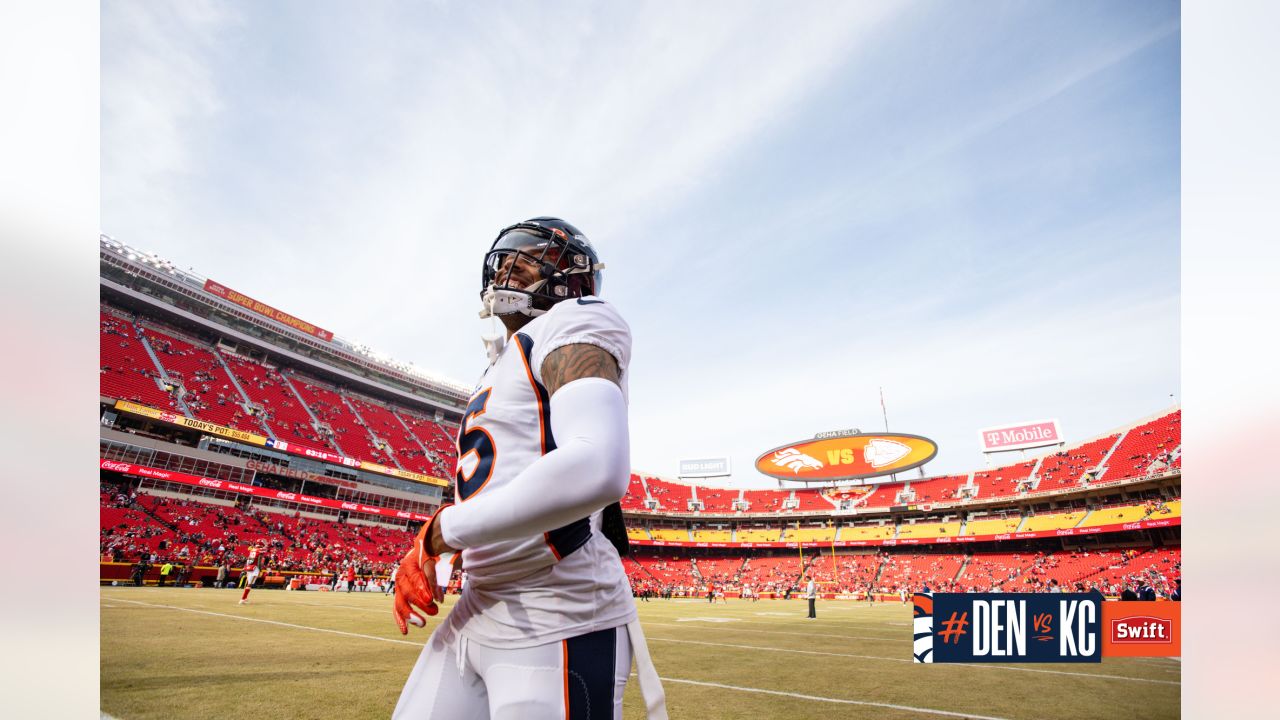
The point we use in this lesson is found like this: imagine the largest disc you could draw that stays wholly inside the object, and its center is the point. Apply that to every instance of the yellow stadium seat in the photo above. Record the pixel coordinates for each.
(670, 534)
(712, 535)
(1115, 515)
(637, 534)
(1053, 521)
(928, 530)
(992, 526)
(867, 532)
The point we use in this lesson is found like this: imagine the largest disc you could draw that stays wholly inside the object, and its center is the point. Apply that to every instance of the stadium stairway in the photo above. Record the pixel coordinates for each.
(960, 571)
(167, 379)
(1107, 458)
(320, 428)
(378, 442)
(250, 408)
(414, 436)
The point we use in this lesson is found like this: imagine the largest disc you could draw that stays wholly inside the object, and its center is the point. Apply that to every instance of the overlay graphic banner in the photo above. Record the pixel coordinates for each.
(1007, 627)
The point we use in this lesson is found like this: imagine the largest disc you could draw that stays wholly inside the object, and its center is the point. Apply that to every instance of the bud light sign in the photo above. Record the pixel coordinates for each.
(1020, 436)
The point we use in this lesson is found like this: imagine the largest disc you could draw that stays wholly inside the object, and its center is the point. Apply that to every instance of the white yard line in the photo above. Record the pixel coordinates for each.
(1101, 676)
(841, 701)
(274, 622)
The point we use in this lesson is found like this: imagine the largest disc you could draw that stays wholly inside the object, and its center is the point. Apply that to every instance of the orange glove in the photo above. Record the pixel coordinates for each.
(417, 583)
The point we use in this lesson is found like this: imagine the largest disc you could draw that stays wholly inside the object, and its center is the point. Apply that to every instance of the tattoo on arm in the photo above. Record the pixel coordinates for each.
(574, 362)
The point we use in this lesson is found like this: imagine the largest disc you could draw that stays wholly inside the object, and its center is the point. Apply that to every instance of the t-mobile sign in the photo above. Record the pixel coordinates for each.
(1020, 436)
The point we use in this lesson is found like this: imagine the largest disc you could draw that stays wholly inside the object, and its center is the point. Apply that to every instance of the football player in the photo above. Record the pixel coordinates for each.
(546, 625)
(250, 573)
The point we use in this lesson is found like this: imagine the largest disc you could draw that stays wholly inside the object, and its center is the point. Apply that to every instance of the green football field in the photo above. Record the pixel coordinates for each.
(196, 653)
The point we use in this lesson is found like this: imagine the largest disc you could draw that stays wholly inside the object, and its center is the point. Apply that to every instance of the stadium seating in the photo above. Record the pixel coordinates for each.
(993, 526)
(813, 500)
(210, 394)
(1113, 515)
(1066, 468)
(671, 534)
(719, 570)
(712, 535)
(439, 439)
(716, 500)
(866, 532)
(634, 499)
(810, 534)
(283, 413)
(1144, 445)
(884, 495)
(765, 501)
(349, 433)
(126, 371)
(1003, 481)
(939, 489)
(771, 574)
(753, 535)
(914, 572)
(1052, 521)
(637, 533)
(928, 530)
(993, 571)
(672, 497)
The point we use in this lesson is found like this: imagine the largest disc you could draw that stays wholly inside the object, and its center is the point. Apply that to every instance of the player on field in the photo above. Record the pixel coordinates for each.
(250, 573)
(546, 625)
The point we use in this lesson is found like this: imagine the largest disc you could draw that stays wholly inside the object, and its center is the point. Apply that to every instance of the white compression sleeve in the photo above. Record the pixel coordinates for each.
(589, 469)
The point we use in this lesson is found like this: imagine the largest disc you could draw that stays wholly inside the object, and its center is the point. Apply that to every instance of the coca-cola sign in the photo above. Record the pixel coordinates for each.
(1019, 436)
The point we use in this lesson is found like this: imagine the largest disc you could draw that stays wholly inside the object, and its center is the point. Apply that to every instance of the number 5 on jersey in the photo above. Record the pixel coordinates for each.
(475, 449)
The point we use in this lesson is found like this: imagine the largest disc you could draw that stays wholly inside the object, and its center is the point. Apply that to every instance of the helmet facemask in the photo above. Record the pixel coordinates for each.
(530, 268)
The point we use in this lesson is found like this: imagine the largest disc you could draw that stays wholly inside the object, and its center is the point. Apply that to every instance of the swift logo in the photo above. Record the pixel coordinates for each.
(1141, 629)
(795, 460)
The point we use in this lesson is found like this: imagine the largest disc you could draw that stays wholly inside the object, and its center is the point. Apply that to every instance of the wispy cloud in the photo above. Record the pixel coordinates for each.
(797, 204)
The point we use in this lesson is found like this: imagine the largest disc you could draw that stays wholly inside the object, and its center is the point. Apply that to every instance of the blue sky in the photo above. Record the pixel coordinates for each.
(974, 206)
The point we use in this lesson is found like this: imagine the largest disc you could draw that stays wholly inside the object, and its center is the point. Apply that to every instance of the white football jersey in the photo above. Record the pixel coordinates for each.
(565, 582)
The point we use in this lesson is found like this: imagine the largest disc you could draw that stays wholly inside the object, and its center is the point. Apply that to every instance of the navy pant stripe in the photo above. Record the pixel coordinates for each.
(590, 666)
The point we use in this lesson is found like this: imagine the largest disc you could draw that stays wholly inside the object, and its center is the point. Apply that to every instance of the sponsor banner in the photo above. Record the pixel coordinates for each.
(1118, 527)
(847, 457)
(229, 486)
(1007, 627)
(184, 421)
(1020, 436)
(265, 310)
(373, 467)
(277, 469)
(704, 467)
(1145, 628)
(281, 445)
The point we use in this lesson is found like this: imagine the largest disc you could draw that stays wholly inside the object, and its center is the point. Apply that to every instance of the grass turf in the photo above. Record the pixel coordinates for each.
(196, 653)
